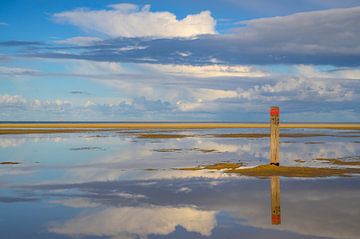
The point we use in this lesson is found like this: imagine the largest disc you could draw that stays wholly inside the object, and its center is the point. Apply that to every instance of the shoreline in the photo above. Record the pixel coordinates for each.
(173, 125)
(48, 128)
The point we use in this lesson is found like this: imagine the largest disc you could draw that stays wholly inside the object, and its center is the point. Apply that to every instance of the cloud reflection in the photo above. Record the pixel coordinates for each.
(138, 221)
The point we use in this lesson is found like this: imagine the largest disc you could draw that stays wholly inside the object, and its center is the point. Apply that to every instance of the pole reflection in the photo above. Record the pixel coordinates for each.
(275, 200)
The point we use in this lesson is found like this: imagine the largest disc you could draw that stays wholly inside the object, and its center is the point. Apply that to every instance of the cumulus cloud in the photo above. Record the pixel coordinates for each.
(21, 108)
(327, 37)
(12, 101)
(129, 20)
(18, 106)
(139, 221)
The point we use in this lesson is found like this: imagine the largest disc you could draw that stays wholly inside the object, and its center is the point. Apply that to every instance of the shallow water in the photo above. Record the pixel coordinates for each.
(118, 185)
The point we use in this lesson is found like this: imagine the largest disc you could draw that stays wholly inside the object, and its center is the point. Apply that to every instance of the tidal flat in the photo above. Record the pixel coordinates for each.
(126, 183)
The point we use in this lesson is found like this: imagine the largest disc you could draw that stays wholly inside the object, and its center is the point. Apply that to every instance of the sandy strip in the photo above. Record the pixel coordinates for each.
(173, 125)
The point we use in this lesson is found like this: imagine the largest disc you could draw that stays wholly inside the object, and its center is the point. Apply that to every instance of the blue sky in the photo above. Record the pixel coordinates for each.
(226, 60)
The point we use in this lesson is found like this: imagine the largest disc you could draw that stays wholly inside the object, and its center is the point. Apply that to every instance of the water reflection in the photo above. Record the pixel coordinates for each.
(108, 194)
(275, 200)
(138, 221)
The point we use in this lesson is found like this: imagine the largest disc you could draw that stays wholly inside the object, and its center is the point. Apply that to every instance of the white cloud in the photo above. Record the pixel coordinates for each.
(208, 71)
(3, 24)
(11, 142)
(199, 98)
(96, 68)
(212, 94)
(12, 100)
(131, 48)
(17, 71)
(23, 105)
(184, 190)
(79, 41)
(77, 203)
(311, 72)
(129, 20)
(130, 196)
(184, 53)
(139, 221)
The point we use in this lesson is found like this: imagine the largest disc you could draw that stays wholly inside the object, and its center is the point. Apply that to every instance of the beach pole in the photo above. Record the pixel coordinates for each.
(275, 200)
(274, 135)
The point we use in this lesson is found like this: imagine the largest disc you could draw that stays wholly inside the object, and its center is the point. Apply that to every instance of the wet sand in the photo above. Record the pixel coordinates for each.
(7, 163)
(159, 125)
(271, 170)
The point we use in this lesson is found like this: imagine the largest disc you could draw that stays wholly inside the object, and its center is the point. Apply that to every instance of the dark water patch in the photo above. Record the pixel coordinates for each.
(313, 142)
(167, 150)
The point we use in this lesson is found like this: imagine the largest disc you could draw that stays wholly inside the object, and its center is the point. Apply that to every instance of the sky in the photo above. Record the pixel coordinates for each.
(204, 60)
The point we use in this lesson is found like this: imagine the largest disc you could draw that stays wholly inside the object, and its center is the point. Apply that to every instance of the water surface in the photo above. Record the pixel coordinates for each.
(118, 185)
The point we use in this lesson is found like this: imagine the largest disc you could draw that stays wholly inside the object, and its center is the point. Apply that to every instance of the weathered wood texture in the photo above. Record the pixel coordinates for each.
(274, 135)
(275, 200)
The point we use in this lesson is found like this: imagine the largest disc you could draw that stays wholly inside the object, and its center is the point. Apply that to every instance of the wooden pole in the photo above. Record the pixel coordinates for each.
(274, 135)
(275, 200)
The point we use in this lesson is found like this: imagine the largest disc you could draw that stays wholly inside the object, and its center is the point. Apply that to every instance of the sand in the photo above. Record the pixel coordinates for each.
(162, 136)
(38, 128)
(160, 125)
(271, 170)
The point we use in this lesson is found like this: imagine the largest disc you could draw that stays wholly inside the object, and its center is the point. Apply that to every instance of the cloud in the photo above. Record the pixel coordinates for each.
(76, 203)
(20, 43)
(346, 74)
(139, 221)
(2, 24)
(24, 109)
(281, 7)
(129, 20)
(17, 71)
(17, 106)
(208, 71)
(79, 41)
(298, 33)
(11, 142)
(238, 211)
(12, 101)
(327, 37)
